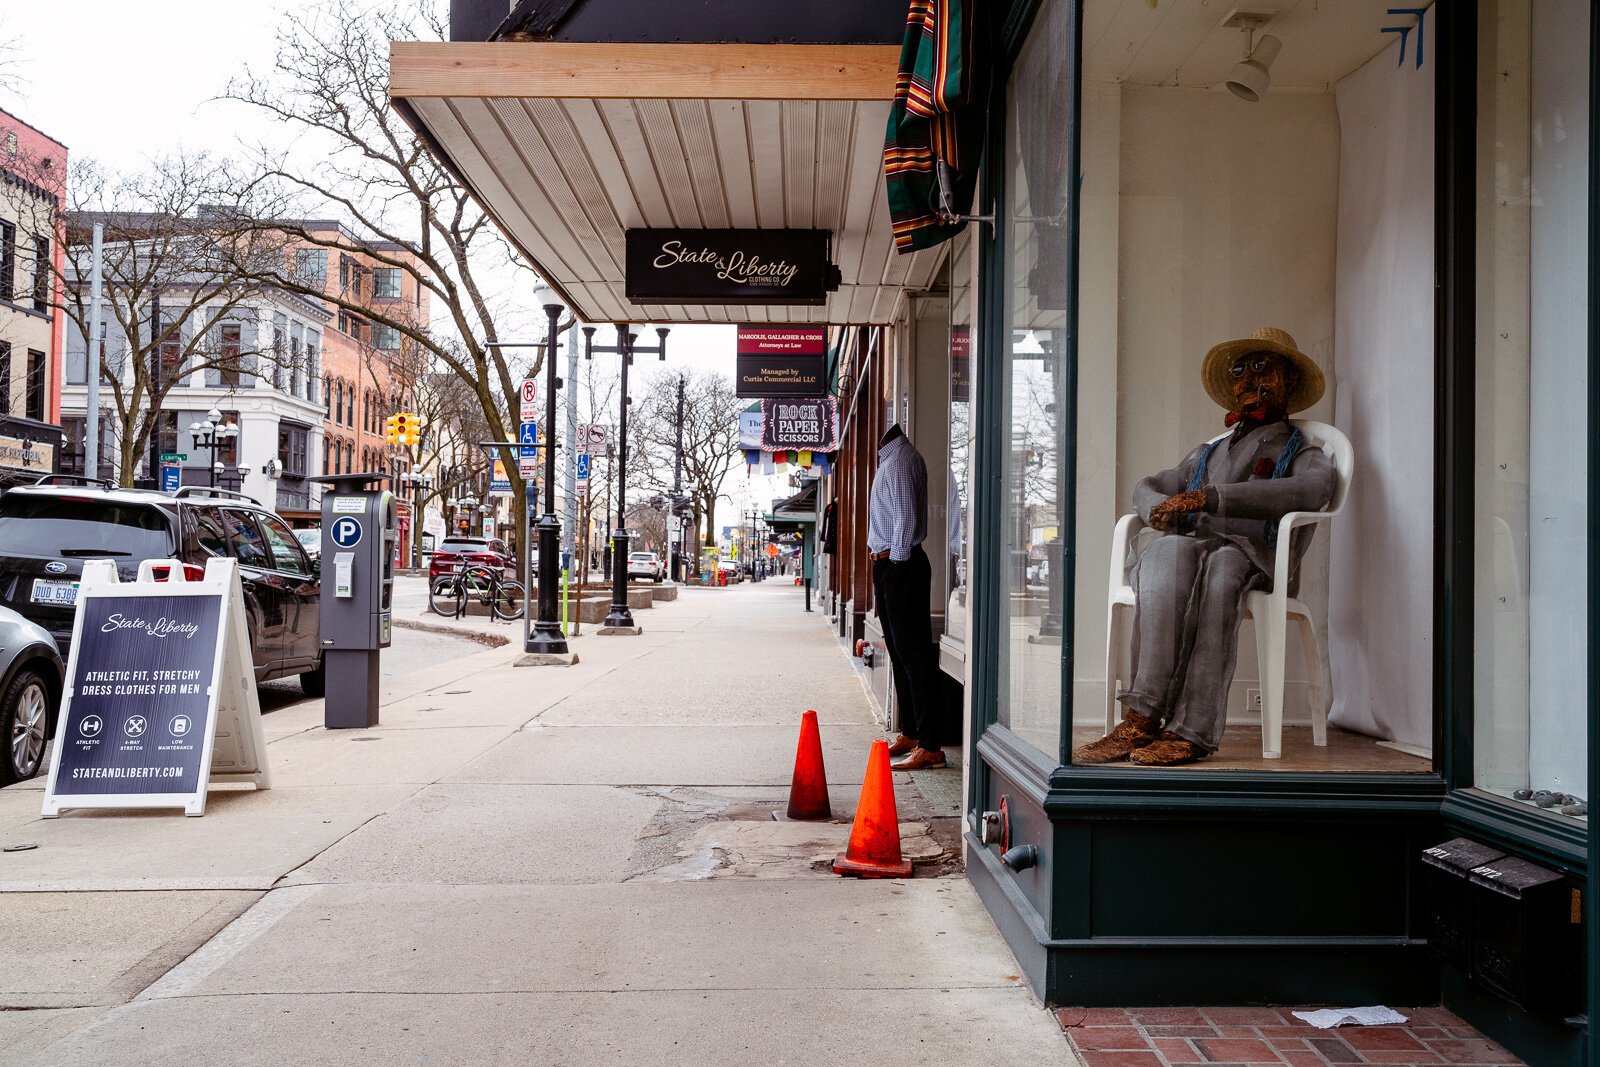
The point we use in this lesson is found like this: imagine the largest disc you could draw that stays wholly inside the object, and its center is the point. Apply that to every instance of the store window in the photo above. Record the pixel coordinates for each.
(962, 315)
(1031, 401)
(1254, 322)
(1532, 524)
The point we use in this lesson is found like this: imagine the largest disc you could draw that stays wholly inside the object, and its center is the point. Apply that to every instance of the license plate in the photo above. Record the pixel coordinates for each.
(55, 591)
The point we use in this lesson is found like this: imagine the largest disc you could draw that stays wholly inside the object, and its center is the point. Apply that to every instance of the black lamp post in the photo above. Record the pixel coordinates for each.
(211, 434)
(620, 618)
(545, 636)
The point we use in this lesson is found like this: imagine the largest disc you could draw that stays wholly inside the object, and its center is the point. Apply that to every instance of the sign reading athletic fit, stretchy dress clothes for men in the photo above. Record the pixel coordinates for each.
(139, 712)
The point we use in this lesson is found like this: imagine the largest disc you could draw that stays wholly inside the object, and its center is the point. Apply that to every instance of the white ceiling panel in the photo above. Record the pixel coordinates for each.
(566, 176)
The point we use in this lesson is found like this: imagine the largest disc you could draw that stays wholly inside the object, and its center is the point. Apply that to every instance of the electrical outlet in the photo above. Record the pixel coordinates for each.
(1252, 700)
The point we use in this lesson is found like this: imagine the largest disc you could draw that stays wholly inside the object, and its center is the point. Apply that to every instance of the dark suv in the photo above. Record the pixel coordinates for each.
(48, 530)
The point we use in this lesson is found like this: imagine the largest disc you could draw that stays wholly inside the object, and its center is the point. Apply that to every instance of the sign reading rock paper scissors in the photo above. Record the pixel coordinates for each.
(161, 696)
(800, 424)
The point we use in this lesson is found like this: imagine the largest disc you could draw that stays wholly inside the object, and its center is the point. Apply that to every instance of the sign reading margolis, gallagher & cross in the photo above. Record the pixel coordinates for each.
(781, 361)
(729, 267)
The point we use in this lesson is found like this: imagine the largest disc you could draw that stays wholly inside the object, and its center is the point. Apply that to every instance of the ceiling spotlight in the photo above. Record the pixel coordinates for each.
(1250, 80)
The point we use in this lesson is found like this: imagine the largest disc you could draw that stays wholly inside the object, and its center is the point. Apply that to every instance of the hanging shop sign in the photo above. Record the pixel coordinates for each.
(782, 361)
(961, 364)
(803, 425)
(27, 454)
(730, 267)
(161, 693)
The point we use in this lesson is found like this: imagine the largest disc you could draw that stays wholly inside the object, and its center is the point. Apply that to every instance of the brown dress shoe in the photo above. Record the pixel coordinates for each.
(1134, 731)
(902, 744)
(920, 760)
(1169, 750)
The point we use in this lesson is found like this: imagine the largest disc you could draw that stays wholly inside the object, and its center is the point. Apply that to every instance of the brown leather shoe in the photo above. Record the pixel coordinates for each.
(920, 760)
(1169, 750)
(1134, 731)
(902, 744)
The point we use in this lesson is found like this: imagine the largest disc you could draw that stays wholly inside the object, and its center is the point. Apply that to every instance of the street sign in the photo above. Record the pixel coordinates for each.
(583, 471)
(528, 464)
(171, 477)
(528, 433)
(529, 393)
(772, 551)
(591, 437)
(174, 457)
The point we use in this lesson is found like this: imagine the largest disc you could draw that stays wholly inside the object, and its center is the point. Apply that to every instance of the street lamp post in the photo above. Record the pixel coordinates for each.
(620, 618)
(211, 434)
(420, 483)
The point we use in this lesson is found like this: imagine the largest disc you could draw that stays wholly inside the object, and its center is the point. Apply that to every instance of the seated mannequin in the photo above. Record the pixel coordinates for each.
(1218, 513)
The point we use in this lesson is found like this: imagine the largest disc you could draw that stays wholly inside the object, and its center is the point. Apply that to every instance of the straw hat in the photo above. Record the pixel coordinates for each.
(1219, 383)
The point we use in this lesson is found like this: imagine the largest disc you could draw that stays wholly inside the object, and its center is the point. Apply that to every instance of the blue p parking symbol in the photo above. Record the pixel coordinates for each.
(346, 532)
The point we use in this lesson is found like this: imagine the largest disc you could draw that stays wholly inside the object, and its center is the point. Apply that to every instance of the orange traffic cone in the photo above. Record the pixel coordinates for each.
(874, 850)
(808, 793)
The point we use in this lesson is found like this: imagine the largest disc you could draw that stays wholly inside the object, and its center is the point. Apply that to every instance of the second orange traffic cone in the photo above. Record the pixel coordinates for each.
(874, 850)
(808, 792)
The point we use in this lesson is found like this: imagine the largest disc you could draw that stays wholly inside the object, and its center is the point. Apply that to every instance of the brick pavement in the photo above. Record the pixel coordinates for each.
(1166, 1037)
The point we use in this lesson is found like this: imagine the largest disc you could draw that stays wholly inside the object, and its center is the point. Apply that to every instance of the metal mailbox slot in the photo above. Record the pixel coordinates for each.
(1526, 935)
(1447, 869)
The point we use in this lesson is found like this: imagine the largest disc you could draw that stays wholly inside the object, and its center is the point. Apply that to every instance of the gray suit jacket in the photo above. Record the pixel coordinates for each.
(1243, 503)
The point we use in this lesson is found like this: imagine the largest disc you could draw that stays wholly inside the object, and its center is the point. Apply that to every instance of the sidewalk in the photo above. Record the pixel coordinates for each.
(541, 865)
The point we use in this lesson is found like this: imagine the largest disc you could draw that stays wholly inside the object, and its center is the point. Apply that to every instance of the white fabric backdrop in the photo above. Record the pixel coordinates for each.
(1380, 608)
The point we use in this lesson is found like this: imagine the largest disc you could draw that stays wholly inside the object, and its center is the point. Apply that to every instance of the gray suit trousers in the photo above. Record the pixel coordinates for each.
(1190, 601)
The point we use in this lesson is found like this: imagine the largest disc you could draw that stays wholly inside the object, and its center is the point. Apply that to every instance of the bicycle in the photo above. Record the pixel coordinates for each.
(449, 594)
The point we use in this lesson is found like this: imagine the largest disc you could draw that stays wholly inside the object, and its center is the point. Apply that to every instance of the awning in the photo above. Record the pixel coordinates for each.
(568, 145)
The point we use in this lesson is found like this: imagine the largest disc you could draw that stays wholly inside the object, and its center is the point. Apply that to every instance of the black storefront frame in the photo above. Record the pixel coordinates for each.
(1065, 805)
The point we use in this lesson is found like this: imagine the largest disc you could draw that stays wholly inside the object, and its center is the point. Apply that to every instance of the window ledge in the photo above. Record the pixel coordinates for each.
(1519, 827)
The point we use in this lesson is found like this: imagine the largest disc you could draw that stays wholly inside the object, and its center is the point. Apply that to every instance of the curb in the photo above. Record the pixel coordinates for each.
(487, 640)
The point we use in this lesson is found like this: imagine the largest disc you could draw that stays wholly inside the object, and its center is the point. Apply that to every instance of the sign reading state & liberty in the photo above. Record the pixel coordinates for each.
(729, 267)
(160, 695)
(139, 695)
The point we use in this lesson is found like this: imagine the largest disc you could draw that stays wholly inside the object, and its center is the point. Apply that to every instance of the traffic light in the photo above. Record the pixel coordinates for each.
(391, 429)
(410, 427)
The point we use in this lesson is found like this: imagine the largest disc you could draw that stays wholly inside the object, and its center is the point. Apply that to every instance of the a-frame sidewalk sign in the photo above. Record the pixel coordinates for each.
(161, 693)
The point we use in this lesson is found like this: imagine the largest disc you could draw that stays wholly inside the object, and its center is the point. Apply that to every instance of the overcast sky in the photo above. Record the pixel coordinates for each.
(120, 81)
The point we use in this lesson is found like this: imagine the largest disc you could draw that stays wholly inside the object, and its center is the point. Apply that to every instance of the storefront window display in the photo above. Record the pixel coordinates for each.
(1032, 401)
(1532, 522)
(959, 268)
(1254, 340)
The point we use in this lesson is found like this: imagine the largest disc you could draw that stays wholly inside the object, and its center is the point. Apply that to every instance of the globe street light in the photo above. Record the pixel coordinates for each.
(212, 434)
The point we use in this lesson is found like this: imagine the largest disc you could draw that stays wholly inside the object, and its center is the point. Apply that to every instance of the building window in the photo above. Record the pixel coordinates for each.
(296, 357)
(385, 338)
(169, 353)
(280, 327)
(8, 261)
(228, 453)
(5, 377)
(229, 362)
(386, 283)
(41, 273)
(311, 267)
(1532, 523)
(35, 396)
(166, 433)
(74, 431)
(292, 450)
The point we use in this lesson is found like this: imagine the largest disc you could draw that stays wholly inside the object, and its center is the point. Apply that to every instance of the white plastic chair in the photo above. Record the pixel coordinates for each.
(1269, 609)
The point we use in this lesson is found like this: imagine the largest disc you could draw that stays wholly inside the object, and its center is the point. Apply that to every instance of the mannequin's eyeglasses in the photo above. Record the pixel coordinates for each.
(1257, 364)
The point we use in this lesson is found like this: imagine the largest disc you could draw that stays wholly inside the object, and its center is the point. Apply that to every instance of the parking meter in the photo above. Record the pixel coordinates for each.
(360, 539)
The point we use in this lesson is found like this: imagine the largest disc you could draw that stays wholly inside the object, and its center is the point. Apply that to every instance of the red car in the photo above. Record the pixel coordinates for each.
(488, 552)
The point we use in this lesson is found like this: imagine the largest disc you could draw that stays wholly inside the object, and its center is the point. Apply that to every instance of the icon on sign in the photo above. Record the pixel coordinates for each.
(583, 466)
(529, 435)
(179, 725)
(135, 726)
(346, 532)
(91, 726)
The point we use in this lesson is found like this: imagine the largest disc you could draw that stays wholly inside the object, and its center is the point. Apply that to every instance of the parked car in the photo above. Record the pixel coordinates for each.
(646, 565)
(47, 530)
(488, 552)
(30, 695)
(311, 541)
(730, 567)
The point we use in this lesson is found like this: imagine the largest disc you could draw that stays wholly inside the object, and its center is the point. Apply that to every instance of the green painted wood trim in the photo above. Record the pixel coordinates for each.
(1520, 829)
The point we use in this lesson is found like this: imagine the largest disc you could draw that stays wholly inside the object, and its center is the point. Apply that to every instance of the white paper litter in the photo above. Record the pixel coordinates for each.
(1328, 1018)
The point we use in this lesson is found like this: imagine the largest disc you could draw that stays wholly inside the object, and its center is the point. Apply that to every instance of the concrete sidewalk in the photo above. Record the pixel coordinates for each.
(530, 865)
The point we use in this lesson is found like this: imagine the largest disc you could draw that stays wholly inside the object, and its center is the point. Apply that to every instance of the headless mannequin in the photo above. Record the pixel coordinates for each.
(890, 434)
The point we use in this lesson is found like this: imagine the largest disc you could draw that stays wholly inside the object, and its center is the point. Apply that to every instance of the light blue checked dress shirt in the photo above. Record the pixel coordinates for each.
(897, 510)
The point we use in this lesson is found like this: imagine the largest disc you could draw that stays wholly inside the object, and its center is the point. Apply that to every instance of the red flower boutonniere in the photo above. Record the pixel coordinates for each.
(1263, 467)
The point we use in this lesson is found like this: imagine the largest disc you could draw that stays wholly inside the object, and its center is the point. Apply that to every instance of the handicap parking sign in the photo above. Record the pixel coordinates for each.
(583, 466)
(346, 531)
(529, 434)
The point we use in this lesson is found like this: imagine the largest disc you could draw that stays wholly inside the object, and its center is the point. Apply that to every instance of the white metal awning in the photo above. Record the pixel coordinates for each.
(569, 145)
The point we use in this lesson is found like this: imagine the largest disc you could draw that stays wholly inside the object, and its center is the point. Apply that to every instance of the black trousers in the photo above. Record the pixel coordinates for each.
(902, 591)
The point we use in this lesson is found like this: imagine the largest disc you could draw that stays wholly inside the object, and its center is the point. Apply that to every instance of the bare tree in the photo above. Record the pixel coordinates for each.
(710, 440)
(177, 297)
(13, 80)
(330, 84)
